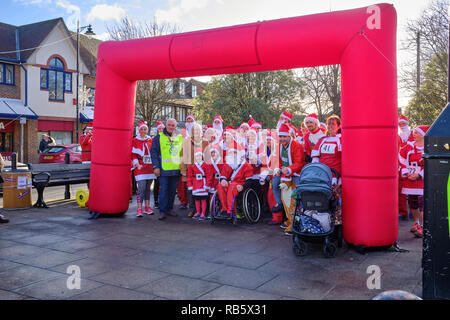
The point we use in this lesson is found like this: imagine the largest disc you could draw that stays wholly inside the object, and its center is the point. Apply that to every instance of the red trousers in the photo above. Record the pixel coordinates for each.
(182, 192)
(226, 196)
(402, 208)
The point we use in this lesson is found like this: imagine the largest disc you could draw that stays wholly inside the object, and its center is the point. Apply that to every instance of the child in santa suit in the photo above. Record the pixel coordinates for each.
(216, 165)
(235, 175)
(199, 181)
(143, 169)
(412, 172)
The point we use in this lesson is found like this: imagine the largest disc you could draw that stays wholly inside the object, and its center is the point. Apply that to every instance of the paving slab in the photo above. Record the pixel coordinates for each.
(179, 288)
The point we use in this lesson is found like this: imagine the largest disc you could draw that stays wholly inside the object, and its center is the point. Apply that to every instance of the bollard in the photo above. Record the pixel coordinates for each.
(14, 161)
(67, 161)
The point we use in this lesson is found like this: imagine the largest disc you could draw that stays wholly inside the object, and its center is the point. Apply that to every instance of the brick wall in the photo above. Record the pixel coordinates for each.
(9, 91)
(30, 141)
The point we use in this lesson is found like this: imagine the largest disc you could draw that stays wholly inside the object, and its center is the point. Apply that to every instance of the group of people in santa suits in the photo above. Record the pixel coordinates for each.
(411, 172)
(227, 160)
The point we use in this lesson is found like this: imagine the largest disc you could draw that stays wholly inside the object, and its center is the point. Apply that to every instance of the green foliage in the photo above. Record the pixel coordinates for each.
(264, 95)
(429, 101)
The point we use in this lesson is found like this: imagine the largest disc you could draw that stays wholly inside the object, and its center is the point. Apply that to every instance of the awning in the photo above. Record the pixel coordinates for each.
(15, 109)
(87, 114)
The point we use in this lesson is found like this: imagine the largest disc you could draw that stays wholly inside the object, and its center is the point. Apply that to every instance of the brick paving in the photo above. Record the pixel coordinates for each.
(179, 258)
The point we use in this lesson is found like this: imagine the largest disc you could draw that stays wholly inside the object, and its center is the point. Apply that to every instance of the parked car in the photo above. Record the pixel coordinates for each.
(56, 154)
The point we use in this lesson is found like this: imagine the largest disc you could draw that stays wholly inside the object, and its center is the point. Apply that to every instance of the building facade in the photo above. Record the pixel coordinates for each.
(38, 65)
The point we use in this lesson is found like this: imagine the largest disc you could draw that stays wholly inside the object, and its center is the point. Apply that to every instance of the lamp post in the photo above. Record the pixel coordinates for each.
(89, 32)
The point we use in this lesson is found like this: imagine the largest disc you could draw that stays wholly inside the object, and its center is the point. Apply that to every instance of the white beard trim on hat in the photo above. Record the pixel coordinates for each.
(218, 127)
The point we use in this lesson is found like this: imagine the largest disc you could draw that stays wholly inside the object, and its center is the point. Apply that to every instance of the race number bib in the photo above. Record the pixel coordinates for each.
(414, 168)
(328, 148)
(147, 160)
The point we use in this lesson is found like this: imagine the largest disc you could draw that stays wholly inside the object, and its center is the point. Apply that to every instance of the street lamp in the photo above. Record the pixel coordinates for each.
(89, 32)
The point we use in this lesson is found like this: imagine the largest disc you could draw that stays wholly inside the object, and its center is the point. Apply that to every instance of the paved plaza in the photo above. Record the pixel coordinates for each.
(179, 258)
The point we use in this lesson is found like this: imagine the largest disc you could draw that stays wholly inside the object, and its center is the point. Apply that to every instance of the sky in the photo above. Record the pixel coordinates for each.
(191, 15)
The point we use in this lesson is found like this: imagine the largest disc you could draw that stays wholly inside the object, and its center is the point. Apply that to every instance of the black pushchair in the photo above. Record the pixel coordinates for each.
(314, 217)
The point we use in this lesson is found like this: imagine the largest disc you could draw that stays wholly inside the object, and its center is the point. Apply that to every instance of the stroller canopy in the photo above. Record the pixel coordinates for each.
(316, 177)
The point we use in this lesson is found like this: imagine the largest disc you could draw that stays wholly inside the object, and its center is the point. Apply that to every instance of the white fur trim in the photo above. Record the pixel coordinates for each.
(411, 191)
(141, 177)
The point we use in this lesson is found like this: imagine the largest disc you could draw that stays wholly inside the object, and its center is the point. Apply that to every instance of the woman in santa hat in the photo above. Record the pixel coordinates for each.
(143, 169)
(412, 172)
(285, 117)
(329, 152)
(218, 124)
(199, 181)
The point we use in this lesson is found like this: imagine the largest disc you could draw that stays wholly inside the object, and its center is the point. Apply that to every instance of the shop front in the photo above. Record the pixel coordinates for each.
(61, 131)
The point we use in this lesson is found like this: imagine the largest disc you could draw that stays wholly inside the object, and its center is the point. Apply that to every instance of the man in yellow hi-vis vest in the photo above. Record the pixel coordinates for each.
(166, 160)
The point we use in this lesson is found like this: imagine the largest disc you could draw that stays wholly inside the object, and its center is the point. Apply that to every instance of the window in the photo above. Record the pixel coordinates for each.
(56, 80)
(181, 115)
(6, 74)
(169, 87)
(194, 91)
(182, 88)
(76, 149)
(67, 82)
(91, 97)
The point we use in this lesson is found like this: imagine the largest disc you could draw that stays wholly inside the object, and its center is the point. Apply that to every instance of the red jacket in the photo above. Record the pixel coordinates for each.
(311, 138)
(86, 146)
(242, 173)
(411, 161)
(141, 151)
(199, 178)
(296, 158)
(215, 170)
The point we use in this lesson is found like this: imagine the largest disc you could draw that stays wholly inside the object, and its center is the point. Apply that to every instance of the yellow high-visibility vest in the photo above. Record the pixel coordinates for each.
(171, 152)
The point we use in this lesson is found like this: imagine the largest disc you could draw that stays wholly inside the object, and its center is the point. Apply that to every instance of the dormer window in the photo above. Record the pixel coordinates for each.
(194, 91)
(182, 89)
(56, 80)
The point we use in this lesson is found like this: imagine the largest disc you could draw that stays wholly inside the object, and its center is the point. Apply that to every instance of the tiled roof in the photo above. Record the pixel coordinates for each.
(31, 36)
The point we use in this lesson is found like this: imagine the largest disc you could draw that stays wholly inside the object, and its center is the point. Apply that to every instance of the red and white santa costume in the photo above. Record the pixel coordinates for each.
(235, 175)
(215, 168)
(140, 154)
(85, 141)
(329, 151)
(404, 136)
(311, 138)
(411, 162)
(285, 117)
(218, 124)
(199, 181)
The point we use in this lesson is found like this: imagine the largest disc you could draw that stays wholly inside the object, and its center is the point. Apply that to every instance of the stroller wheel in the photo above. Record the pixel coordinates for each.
(300, 248)
(329, 249)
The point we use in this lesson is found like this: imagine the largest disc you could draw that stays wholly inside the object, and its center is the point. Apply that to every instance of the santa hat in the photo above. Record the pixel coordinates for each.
(198, 151)
(219, 117)
(404, 119)
(299, 132)
(256, 125)
(229, 131)
(323, 125)
(229, 127)
(269, 134)
(286, 115)
(90, 125)
(422, 129)
(214, 148)
(312, 117)
(143, 124)
(159, 124)
(209, 126)
(244, 124)
(284, 130)
(252, 131)
(190, 117)
(251, 121)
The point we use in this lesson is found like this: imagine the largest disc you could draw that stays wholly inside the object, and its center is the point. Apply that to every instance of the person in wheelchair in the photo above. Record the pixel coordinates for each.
(235, 176)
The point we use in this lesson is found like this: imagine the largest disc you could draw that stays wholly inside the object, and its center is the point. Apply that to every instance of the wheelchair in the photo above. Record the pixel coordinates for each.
(247, 204)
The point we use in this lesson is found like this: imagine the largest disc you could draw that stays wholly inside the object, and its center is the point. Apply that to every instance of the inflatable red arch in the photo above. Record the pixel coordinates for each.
(362, 41)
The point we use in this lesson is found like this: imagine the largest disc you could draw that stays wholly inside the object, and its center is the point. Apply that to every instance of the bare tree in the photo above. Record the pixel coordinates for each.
(431, 29)
(151, 95)
(323, 89)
